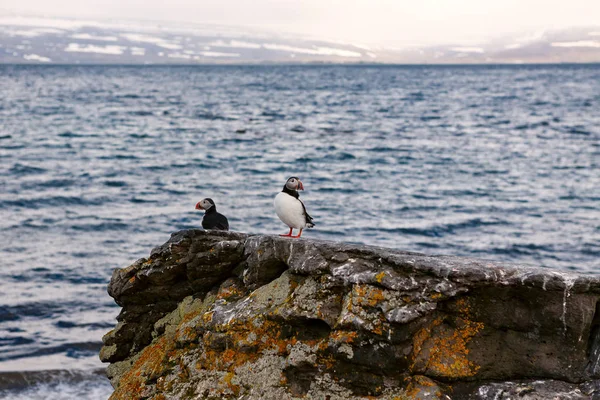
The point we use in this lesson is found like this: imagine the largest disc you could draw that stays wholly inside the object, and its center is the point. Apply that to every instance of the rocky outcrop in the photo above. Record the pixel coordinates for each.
(227, 315)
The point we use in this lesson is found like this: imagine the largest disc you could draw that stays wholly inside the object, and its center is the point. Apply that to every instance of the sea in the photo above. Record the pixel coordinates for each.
(99, 164)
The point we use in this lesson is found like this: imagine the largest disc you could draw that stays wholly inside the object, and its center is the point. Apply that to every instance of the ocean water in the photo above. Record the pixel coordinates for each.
(100, 164)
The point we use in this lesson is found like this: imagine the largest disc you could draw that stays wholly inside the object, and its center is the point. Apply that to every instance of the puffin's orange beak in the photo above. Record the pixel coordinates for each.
(199, 206)
(300, 185)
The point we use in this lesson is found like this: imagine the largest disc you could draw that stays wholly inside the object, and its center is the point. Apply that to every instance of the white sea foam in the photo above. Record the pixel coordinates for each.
(63, 387)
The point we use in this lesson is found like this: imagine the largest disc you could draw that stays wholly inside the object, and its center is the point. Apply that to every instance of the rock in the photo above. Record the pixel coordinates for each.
(229, 315)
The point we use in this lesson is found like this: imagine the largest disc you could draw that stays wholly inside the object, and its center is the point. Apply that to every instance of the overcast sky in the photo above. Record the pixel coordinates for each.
(387, 22)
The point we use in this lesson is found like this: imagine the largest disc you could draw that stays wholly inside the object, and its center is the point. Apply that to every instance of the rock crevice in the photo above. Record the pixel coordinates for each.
(230, 315)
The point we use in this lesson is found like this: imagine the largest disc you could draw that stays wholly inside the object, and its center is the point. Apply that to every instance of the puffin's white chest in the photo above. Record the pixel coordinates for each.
(290, 210)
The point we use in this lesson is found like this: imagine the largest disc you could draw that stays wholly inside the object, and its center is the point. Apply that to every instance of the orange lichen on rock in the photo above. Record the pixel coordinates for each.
(422, 386)
(259, 336)
(207, 317)
(435, 296)
(362, 306)
(343, 336)
(227, 380)
(150, 363)
(229, 292)
(366, 295)
(446, 348)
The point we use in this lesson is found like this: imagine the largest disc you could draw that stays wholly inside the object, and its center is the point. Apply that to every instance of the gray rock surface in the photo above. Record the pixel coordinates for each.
(229, 315)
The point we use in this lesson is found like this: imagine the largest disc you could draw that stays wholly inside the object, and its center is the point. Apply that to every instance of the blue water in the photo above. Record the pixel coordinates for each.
(100, 164)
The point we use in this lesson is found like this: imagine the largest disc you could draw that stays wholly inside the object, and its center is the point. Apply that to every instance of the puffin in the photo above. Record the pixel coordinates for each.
(290, 209)
(212, 219)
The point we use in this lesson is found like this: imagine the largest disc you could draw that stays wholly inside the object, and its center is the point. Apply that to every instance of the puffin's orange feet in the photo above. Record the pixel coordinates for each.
(289, 234)
(299, 234)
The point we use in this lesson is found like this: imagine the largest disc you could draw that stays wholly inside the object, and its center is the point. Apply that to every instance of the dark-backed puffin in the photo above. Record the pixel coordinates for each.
(290, 209)
(212, 219)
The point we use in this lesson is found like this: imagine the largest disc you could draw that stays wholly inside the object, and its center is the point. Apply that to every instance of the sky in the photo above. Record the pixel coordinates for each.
(385, 22)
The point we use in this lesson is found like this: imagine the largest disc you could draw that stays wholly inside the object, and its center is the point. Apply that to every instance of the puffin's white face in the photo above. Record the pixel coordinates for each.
(204, 204)
(294, 184)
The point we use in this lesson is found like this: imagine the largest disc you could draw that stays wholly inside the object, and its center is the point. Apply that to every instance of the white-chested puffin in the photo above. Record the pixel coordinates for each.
(212, 219)
(290, 209)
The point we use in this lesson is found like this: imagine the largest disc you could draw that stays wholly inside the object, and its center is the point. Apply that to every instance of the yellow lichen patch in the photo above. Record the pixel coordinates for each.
(151, 363)
(379, 277)
(445, 347)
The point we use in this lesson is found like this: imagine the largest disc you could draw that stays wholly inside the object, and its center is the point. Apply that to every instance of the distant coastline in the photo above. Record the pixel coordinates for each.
(28, 40)
(309, 64)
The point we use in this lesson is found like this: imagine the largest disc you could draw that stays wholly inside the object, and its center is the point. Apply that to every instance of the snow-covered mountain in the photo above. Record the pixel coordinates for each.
(74, 41)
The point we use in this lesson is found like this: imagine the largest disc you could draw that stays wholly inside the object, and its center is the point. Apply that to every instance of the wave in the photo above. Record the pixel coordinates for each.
(55, 385)
(115, 183)
(93, 325)
(100, 227)
(23, 169)
(441, 230)
(69, 134)
(272, 115)
(213, 117)
(51, 183)
(141, 113)
(578, 130)
(32, 309)
(53, 201)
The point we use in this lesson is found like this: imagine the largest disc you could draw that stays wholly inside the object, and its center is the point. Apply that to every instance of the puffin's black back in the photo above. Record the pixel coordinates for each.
(214, 220)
